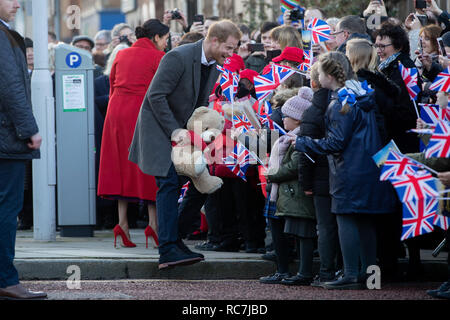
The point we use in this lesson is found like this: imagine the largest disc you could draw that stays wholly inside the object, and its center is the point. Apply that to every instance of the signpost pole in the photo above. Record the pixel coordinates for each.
(44, 169)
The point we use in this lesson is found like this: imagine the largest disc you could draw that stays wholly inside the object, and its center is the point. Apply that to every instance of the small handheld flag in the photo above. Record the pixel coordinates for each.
(320, 31)
(409, 76)
(442, 81)
(439, 144)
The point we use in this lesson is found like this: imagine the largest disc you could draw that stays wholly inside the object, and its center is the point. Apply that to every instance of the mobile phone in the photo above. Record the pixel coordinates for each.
(254, 47)
(442, 47)
(199, 18)
(306, 39)
(420, 46)
(421, 4)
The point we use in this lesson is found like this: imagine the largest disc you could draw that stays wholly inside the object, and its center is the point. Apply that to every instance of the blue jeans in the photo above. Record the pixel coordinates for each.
(167, 210)
(12, 174)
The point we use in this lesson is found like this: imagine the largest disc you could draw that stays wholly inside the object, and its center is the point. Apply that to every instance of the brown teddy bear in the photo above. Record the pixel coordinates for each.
(188, 147)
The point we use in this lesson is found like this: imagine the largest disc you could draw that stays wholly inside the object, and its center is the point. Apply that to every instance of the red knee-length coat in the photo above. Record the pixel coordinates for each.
(132, 71)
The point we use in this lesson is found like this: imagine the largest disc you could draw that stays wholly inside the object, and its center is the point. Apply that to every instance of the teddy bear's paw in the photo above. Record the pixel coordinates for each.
(200, 165)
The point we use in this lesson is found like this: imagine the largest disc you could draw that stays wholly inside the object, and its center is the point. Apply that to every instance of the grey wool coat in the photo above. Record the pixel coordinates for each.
(170, 101)
(17, 123)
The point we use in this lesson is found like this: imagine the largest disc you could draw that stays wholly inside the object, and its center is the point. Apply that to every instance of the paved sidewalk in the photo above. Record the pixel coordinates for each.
(99, 260)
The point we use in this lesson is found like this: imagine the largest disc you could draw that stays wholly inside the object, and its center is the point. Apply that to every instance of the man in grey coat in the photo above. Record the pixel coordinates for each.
(19, 142)
(183, 82)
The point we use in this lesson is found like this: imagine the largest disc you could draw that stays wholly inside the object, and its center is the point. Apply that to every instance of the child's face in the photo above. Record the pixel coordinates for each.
(289, 123)
(325, 79)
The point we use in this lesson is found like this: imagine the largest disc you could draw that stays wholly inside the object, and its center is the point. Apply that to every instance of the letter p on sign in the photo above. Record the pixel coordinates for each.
(73, 60)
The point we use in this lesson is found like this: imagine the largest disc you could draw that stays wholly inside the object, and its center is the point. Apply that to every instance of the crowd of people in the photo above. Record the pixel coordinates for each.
(317, 191)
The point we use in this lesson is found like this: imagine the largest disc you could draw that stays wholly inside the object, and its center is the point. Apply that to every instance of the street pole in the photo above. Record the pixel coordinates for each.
(44, 169)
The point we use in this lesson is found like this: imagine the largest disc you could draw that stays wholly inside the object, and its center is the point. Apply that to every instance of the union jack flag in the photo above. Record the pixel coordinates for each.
(442, 81)
(441, 221)
(265, 84)
(409, 76)
(238, 161)
(242, 122)
(439, 144)
(432, 113)
(415, 186)
(229, 83)
(418, 217)
(397, 164)
(265, 119)
(267, 108)
(184, 189)
(320, 31)
(305, 65)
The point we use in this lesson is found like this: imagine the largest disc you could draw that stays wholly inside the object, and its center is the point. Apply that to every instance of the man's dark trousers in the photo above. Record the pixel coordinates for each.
(12, 174)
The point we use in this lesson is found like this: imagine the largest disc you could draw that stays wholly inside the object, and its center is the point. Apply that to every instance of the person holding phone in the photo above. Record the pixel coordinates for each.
(433, 66)
(257, 59)
(442, 16)
(428, 45)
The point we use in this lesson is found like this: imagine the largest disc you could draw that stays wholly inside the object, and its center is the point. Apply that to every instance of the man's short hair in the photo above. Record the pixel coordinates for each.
(213, 18)
(267, 26)
(190, 37)
(223, 29)
(244, 29)
(446, 39)
(28, 42)
(52, 35)
(324, 15)
(103, 34)
(352, 24)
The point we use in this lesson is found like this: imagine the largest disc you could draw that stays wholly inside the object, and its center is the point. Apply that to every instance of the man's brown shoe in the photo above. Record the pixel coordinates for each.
(18, 292)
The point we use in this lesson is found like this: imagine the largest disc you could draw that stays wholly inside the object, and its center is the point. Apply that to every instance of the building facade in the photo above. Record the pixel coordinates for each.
(68, 18)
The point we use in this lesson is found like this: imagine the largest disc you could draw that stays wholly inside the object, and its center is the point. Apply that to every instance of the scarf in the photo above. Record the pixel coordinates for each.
(383, 65)
(279, 150)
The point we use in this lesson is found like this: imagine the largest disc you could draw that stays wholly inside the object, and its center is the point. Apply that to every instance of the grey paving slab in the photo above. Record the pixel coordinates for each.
(99, 260)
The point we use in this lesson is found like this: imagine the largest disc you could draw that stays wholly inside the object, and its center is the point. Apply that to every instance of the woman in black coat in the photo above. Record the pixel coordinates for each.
(392, 47)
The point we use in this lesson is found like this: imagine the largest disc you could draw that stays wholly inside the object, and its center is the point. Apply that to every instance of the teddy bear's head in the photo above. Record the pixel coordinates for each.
(207, 123)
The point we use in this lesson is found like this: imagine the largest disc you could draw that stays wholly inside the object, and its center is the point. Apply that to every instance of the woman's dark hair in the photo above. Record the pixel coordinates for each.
(151, 28)
(396, 33)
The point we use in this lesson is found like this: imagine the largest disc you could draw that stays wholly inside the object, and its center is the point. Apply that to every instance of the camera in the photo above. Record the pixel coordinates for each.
(254, 47)
(124, 39)
(297, 14)
(176, 14)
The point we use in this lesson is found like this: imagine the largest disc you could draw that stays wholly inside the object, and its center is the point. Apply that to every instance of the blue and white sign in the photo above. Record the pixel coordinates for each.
(73, 60)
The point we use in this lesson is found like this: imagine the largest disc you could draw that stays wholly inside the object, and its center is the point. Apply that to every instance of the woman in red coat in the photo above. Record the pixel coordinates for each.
(132, 71)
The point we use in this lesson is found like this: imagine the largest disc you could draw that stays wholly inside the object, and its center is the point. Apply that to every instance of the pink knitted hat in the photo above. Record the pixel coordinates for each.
(295, 106)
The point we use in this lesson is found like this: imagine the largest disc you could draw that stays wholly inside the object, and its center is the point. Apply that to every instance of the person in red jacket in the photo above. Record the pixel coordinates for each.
(130, 77)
